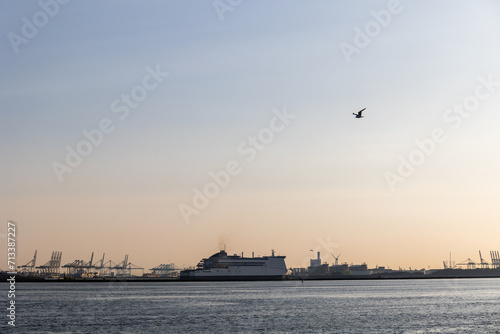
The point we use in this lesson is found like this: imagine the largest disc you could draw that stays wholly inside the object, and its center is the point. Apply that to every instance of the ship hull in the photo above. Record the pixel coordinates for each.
(231, 278)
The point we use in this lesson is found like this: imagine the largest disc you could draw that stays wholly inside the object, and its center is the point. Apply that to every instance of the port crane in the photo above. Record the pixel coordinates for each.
(165, 270)
(29, 268)
(51, 268)
(495, 259)
(484, 264)
(469, 263)
(336, 258)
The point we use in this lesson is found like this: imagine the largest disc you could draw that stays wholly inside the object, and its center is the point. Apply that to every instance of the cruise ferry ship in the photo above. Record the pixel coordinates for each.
(223, 267)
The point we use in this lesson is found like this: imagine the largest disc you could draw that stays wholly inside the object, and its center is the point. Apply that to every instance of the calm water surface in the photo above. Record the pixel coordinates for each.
(401, 306)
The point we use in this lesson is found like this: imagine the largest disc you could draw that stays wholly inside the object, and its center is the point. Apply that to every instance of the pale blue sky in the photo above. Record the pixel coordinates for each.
(225, 78)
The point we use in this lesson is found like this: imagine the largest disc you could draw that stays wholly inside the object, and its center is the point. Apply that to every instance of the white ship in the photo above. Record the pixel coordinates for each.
(223, 267)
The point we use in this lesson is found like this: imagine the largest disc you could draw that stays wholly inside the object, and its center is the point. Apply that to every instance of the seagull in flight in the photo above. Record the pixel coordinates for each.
(358, 115)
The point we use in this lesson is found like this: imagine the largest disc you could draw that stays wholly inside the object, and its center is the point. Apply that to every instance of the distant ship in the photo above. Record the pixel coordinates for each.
(223, 267)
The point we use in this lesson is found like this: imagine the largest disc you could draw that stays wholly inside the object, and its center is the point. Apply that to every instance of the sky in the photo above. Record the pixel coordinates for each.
(168, 130)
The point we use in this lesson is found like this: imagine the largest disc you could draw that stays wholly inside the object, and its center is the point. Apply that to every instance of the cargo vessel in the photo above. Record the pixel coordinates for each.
(223, 267)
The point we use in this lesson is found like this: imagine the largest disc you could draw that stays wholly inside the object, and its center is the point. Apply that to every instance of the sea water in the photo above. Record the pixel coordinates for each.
(369, 306)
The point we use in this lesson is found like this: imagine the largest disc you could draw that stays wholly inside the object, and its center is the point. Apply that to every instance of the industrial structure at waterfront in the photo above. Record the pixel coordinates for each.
(92, 269)
(103, 269)
(466, 268)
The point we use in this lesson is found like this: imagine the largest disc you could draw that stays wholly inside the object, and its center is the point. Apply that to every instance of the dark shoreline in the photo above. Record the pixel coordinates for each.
(443, 274)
